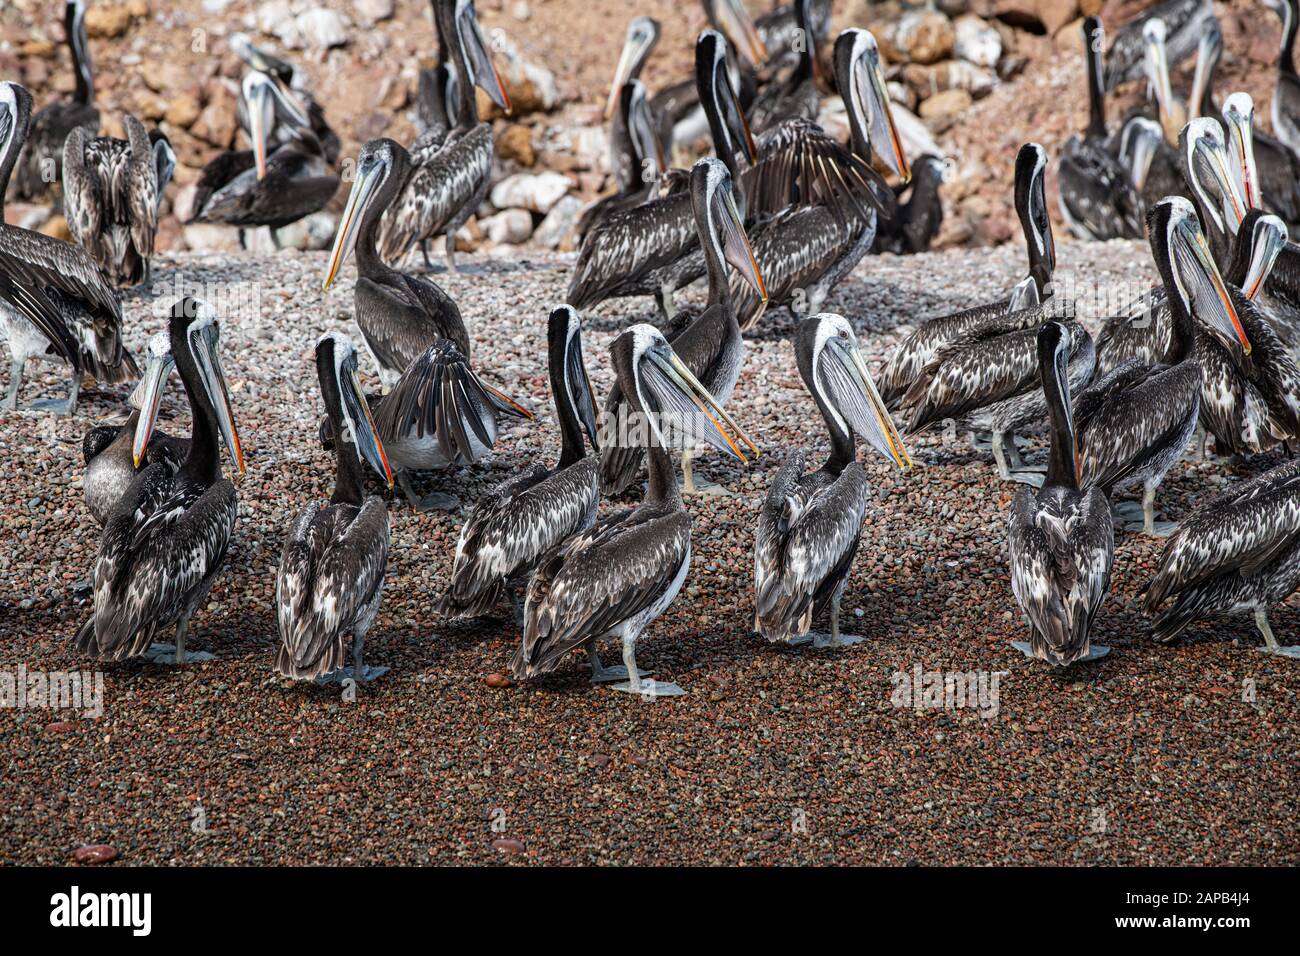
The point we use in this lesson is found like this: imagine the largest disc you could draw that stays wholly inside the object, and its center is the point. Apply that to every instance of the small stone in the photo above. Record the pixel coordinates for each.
(516, 143)
(509, 227)
(556, 230)
(538, 192)
(107, 21)
(183, 111)
(61, 727)
(508, 846)
(95, 854)
(498, 680)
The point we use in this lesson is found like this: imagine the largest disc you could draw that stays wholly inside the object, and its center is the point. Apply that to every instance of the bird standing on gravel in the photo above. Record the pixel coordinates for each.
(439, 195)
(166, 540)
(810, 524)
(54, 304)
(1061, 540)
(515, 524)
(331, 573)
(613, 579)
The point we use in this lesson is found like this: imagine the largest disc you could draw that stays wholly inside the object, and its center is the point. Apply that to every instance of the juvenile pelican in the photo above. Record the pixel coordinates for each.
(614, 578)
(166, 540)
(811, 523)
(331, 574)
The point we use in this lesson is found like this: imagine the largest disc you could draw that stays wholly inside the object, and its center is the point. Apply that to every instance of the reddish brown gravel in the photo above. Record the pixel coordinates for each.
(774, 756)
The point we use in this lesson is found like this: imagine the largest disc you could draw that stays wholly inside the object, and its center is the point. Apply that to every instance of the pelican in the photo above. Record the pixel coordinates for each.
(1238, 553)
(776, 29)
(112, 190)
(1097, 198)
(441, 194)
(810, 524)
(709, 344)
(1061, 538)
(614, 578)
(41, 164)
(260, 187)
(109, 450)
(795, 95)
(641, 39)
(919, 219)
(1272, 179)
(1145, 150)
(513, 526)
(806, 250)
(1134, 422)
(912, 356)
(54, 304)
(636, 157)
(166, 539)
(291, 85)
(1186, 20)
(331, 574)
(1285, 108)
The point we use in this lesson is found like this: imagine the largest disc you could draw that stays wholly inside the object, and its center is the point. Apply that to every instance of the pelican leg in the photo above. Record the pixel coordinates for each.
(664, 299)
(424, 251)
(1010, 465)
(1271, 646)
(176, 653)
(436, 501)
(704, 487)
(637, 685)
(1151, 527)
(275, 238)
(451, 252)
(835, 639)
(15, 382)
(600, 674)
(359, 671)
(68, 405)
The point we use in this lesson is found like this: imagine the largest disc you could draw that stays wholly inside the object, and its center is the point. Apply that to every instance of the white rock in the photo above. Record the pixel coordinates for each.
(916, 136)
(312, 232)
(535, 191)
(183, 203)
(590, 147)
(511, 226)
(210, 237)
(976, 41)
(374, 11)
(516, 71)
(275, 16)
(558, 225)
(322, 29)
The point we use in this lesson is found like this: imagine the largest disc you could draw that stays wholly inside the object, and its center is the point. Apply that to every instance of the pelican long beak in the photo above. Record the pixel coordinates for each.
(148, 398)
(873, 421)
(1205, 49)
(736, 248)
(485, 72)
(1239, 116)
(364, 186)
(721, 431)
(1204, 143)
(736, 24)
(1204, 292)
(259, 105)
(582, 397)
(1157, 70)
(1267, 242)
(882, 131)
(634, 47)
(206, 357)
(364, 431)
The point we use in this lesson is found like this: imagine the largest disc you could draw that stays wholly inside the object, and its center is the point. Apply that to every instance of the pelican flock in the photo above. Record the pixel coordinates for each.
(775, 214)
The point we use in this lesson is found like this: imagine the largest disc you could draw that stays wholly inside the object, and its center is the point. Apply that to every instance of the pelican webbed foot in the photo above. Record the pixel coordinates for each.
(1095, 651)
(603, 674)
(364, 675)
(1271, 646)
(639, 684)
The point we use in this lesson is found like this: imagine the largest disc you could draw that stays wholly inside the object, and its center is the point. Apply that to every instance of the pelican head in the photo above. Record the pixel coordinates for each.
(381, 165)
(720, 223)
(862, 83)
(1239, 119)
(727, 120)
(1206, 167)
(568, 370)
(642, 36)
(345, 401)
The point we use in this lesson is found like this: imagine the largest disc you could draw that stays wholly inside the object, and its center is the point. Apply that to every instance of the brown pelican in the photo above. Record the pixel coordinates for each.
(614, 578)
(258, 187)
(441, 194)
(291, 85)
(641, 40)
(1144, 148)
(331, 573)
(41, 163)
(1268, 172)
(1186, 21)
(513, 526)
(1134, 422)
(795, 95)
(636, 157)
(1061, 538)
(112, 189)
(1097, 198)
(806, 250)
(166, 540)
(912, 356)
(54, 304)
(1285, 109)
(919, 219)
(811, 523)
(1238, 553)
(710, 344)
(109, 450)
(654, 249)
(777, 31)
(399, 315)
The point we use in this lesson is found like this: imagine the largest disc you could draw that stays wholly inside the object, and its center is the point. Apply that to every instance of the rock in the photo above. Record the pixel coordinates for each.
(508, 846)
(44, 49)
(976, 41)
(1050, 15)
(313, 232)
(942, 108)
(274, 17)
(556, 230)
(95, 854)
(183, 110)
(535, 191)
(498, 680)
(589, 146)
(531, 88)
(57, 227)
(374, 11)
(322, 29)
(216, 125)
(1054, 14)
(918, 36)
(61, 727)
(107, 21)
(1091, 8)
(516, 143)
(949, 75)
(508, 227)
(210, 237)
(25, 215)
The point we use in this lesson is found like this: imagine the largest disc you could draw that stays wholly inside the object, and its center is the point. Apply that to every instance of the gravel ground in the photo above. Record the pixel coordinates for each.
(1150, 756)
